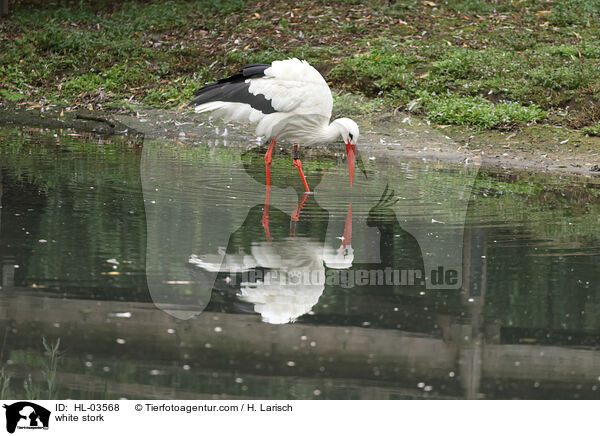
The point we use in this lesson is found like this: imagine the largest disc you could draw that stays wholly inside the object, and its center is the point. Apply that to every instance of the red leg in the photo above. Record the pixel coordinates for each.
(296, 215)
(298, 166)
(268, 159)
(348, 228)
(265, 218)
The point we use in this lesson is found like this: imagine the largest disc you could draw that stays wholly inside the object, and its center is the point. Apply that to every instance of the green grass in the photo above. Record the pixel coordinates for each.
(478, 112)
(77, 54)
(53, 356)
(31, 388)
(569, 12)
(543, 56)
(384, 67)
(11, 96)
(175, 92)
(4, 384)
(592, 130)
(356, 105)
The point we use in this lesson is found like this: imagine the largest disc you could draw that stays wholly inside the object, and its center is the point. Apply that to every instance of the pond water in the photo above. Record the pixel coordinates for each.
(164, 275)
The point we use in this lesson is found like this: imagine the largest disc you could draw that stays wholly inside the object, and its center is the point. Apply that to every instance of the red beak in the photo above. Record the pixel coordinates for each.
(350, 153)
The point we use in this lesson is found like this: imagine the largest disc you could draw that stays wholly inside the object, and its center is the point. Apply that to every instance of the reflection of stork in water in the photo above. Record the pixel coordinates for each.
(293, 270)
(292, 265)
(293, 278)
(252, 164)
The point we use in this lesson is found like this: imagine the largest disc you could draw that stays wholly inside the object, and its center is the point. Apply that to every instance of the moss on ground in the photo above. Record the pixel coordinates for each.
(480, 63)
(592, 130)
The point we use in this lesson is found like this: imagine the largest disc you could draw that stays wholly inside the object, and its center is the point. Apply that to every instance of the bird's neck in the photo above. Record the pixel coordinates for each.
(330, 132)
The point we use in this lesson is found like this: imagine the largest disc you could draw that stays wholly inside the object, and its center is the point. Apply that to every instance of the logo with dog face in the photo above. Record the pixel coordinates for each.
(26, 415)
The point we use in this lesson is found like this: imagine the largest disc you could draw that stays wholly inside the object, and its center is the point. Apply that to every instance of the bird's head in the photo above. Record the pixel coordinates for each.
(349, 132)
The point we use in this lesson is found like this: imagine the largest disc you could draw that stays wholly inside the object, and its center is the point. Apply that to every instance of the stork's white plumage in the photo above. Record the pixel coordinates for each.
(288, 100)
(294, 279)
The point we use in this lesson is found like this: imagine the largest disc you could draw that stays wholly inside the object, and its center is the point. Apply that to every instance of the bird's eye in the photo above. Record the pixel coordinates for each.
(350, 135)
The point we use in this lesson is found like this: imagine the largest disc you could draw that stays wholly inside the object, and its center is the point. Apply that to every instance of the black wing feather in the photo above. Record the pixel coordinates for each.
(235, 89)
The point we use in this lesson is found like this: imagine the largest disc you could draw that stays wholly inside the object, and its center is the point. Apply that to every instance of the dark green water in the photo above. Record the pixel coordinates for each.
(154, 266)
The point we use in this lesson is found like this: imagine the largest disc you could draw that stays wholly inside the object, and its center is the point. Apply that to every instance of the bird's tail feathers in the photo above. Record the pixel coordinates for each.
(230, 111)
(209, 107)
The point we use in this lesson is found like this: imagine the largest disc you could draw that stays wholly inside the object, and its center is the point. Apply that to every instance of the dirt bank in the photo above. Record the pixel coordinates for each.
(538, 148)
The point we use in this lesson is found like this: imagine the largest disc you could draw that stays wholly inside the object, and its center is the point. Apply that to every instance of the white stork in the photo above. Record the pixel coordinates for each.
(289, 100)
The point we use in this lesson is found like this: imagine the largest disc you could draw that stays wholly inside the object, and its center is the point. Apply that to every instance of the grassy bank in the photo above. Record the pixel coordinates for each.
(479, 63)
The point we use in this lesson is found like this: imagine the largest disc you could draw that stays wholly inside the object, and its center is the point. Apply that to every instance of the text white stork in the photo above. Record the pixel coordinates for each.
(289, 100)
